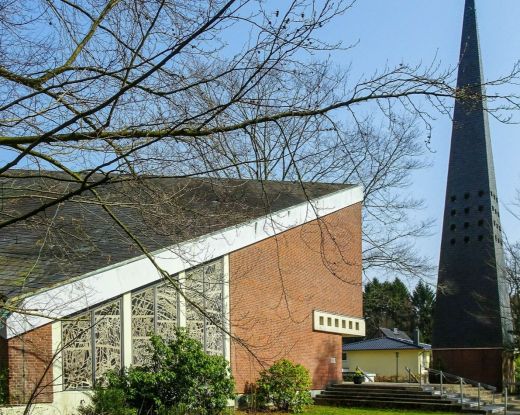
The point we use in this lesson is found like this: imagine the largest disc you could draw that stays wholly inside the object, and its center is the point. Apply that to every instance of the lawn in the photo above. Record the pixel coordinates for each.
(330, 410)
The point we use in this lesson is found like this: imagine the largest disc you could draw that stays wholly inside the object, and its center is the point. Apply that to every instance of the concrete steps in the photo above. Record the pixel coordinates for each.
(405, 396)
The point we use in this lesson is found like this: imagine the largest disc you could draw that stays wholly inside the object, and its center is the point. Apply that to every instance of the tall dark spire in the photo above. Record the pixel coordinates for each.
(472, 311)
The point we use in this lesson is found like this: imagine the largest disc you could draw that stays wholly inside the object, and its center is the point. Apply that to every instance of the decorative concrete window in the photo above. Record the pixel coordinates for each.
(204, 289)
(143, 324)
(92, 340)
(92, 345)
(77, 352)
(107, 337)
(154, 311)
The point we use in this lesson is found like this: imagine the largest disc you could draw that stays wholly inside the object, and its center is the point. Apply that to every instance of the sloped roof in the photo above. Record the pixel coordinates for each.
(385, 343)
(394, 334)
(78, 236)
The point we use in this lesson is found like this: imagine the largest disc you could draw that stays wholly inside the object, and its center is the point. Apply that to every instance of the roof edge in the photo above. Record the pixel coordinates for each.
(95, 287)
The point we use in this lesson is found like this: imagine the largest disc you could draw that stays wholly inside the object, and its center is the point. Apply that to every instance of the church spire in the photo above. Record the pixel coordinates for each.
(472, 309)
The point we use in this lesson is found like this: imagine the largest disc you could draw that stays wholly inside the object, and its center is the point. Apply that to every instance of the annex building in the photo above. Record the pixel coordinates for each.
(256, 271)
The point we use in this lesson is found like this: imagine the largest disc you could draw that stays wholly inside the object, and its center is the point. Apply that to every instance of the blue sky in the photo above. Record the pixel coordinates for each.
(420, 31)
(389, 32)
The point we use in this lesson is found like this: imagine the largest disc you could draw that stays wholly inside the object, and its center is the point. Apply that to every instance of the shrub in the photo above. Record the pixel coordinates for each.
(285, 385)
(107, 400)
(180, 378)
(4, 390)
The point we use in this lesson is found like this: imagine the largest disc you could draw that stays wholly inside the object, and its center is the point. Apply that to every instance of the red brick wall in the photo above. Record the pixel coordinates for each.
(276, 284)
(30, 366)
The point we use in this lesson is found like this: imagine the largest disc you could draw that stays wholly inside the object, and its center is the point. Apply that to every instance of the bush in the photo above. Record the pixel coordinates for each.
(181, 378)
(107, 400)
(4, 390)
(285, 385)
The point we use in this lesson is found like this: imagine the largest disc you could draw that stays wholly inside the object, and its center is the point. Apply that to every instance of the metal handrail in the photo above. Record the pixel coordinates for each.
(461, 381)
(506, 397)
(467, 381)
(411, 375)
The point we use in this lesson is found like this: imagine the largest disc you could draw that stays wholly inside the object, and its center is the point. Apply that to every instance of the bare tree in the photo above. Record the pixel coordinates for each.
(115, 93)
(237, 88)
(512, 273)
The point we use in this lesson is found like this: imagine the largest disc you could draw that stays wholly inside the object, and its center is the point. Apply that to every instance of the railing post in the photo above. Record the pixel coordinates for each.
(441, 383)
(461, 392)
(478, 395)
(505, 403)
(420, 374)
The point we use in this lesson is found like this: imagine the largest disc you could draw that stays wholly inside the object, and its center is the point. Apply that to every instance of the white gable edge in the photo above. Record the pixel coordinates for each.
(109, 282)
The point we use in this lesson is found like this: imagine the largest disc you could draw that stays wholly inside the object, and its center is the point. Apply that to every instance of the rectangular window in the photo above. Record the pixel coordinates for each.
(92, 341)
(91, 346)
(107, 336)
(204, 287)
(336, 322)
(343, 324)
(166, 313)
(77, 352)
(143, 311)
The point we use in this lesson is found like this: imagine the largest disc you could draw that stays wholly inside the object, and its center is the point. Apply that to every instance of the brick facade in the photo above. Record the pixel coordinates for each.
(30, 366)
(274, 287)
(276, 284)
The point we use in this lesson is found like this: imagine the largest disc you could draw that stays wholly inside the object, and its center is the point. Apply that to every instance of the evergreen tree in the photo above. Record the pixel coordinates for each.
(423, 301)
(387, 304)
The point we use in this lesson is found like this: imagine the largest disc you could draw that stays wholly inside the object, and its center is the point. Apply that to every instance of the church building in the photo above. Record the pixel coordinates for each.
(256, 271)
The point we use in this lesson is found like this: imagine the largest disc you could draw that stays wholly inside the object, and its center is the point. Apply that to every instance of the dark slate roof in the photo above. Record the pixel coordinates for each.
(384, 343)
(77, 236)
(394, 334)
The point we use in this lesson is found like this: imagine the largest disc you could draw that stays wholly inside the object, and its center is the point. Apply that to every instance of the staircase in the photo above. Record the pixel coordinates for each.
(409, 396)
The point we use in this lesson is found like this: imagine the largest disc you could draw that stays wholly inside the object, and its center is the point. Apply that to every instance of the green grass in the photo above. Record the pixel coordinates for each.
(331, 410)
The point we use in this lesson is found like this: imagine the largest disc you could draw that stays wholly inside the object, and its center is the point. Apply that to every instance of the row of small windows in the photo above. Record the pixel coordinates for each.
(480, 223)
(467, 239)
(480, 193)
(466, 210)
(480, 209)
(467, 195)
(337, 322)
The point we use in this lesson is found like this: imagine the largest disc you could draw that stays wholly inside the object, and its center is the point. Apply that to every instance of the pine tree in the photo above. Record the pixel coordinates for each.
(423, 302)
